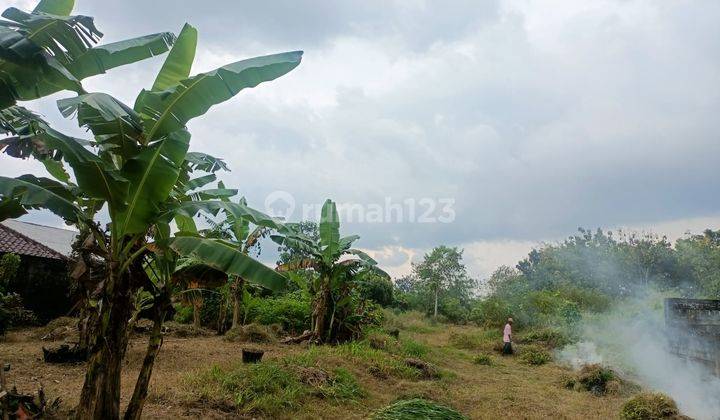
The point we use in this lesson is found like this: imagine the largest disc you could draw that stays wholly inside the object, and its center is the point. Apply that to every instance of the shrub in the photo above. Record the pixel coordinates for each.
(594, 378)
(483, 359)
(534, 355)
(548, 337)
(417, 408)
(292, 311)
(252, 332)
(381, 341)
(491, 312)
(649, 406)
(376, 288)
(454, 311)
(183, 314)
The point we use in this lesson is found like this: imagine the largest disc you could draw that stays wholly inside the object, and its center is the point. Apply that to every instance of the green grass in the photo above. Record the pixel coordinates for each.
(417, 408)
(483, 359)
(272, 387)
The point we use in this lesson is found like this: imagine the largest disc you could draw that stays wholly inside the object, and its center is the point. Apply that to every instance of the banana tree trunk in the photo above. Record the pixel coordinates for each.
(100, 396)
(196, 313)
(320, 310)
(137, 402)
(236, 310)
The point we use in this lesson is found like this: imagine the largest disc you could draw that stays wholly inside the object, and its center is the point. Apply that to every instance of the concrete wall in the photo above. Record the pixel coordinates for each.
(694, 329)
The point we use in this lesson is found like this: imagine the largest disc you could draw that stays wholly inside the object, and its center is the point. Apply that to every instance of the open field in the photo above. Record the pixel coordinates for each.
(202, 377)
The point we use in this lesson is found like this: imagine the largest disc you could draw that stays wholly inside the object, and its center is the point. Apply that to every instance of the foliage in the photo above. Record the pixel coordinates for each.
(291, 310)
(417, 408)
(534, 355)
(338, 312)
(374, 287)
(138, 170)
(439, 285)
(594, 378)
(649, 406)
(9, 264)
(271, 388)
(547, 337)
(483, 359)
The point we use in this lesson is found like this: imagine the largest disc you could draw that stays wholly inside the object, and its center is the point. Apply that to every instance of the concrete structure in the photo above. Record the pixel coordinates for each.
(694, 329)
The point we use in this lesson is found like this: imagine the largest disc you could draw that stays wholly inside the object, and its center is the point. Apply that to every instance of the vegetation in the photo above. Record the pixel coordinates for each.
(338, 314)
(417, 408)
(140, 171)
(650, 406)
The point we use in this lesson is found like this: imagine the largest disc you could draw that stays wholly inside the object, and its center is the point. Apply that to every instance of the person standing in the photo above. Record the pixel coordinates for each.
(507, 338)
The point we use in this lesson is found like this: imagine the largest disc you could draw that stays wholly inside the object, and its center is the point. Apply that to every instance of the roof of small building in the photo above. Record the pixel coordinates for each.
(34, 240)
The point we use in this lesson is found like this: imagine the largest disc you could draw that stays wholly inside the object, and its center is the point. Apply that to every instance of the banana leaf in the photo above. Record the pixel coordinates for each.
(228, 259)
(170, 109)
(40, 193)
(152, 174)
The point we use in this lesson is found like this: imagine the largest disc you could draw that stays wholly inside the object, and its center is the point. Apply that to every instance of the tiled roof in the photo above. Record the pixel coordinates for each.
(57, 239)
(15, 242)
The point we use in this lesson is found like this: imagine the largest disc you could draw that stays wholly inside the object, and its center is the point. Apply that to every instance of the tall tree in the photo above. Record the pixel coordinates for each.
(442, 272)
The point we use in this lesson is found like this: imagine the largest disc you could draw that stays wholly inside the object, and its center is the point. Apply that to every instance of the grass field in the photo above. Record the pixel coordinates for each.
(202, 377)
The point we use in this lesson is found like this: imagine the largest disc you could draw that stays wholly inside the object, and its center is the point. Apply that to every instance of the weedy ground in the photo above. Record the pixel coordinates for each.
(203, 377)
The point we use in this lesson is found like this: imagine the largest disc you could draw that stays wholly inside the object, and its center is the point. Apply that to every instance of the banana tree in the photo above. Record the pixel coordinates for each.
(335, 263)
(246, 238)
(139, 155)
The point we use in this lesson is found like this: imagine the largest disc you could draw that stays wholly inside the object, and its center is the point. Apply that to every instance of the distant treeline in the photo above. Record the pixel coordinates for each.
(556, 283)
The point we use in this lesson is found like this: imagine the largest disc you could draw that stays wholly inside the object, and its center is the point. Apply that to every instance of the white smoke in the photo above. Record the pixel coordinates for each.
(632, 340)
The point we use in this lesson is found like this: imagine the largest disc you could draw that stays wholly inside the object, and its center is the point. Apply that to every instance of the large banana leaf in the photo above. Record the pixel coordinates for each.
(169, 110)
(117, 128)
(235, 210)
(179, 62)
(66, 37)
(152, 174)
(227, 258)
(55, 7)
(40, 193)
(102, 58)
(94, 176)
(329, 229)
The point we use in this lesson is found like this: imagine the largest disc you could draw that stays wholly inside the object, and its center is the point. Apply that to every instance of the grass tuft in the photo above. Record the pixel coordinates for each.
(417, 408)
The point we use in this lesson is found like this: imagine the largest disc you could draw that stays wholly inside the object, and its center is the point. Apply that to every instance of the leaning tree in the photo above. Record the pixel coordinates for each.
(336, 265)
(132, 168)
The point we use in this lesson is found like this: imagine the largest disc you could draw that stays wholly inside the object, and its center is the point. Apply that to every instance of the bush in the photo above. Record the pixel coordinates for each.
(649, 406)
(417, 408)
(254, 333)
(454, 311)
(594, 378)
(183, 314)
(534, 355)
(292, 311)
(483, 359)
(491, 312)
(548, 337)
(376, 288)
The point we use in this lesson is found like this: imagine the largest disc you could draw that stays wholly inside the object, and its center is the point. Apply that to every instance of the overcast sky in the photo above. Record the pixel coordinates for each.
(536, 117)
